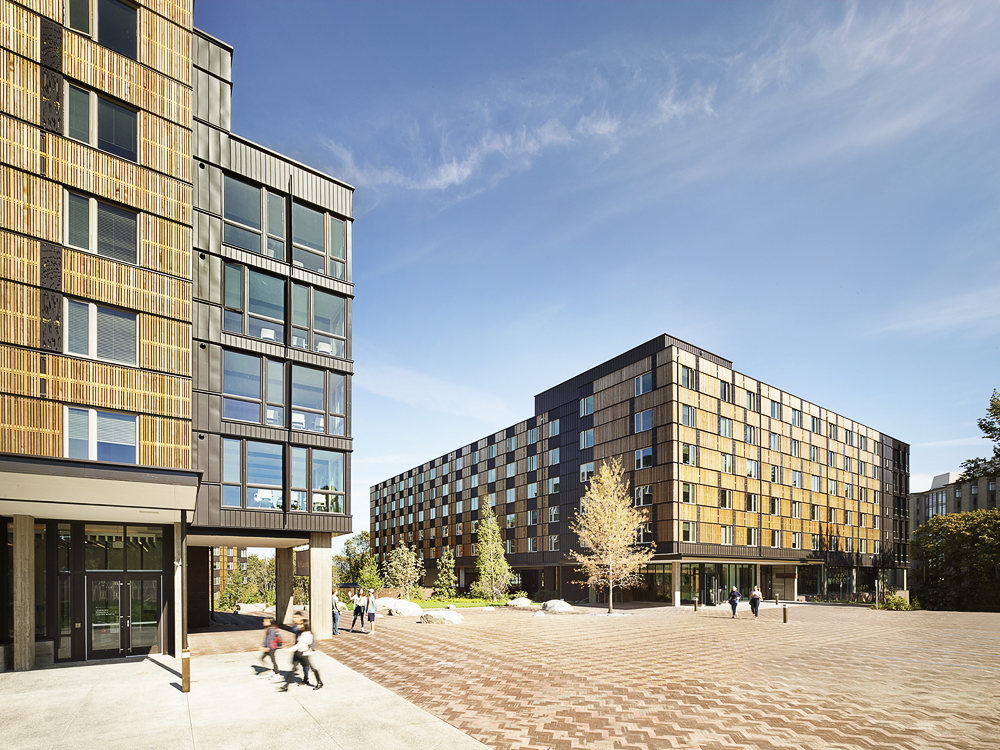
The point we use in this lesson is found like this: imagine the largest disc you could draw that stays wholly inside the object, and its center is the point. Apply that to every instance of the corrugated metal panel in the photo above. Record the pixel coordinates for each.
(318, 360)
(323, 282)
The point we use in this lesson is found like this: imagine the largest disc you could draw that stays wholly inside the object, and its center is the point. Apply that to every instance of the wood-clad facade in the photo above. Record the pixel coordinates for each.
(744, 483)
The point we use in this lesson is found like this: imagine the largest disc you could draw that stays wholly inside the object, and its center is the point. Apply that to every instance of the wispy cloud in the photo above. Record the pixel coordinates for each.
(434, 395)
(953, 442)
(972, 313)
(821, 82)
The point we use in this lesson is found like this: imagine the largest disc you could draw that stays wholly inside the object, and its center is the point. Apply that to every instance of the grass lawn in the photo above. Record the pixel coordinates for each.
(459, 603)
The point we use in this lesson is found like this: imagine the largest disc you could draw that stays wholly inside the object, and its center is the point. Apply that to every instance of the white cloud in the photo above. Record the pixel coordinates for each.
(432, 394)
(974, 313)
(948, 443)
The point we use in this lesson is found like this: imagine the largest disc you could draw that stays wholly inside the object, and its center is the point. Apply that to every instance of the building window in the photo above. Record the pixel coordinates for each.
(531, 464)
(491, 475)
(532, 490)
(532, 544)
(796, 509)
(553, 514)
(688, 494)
(687, 377)
(796, 540)
(110, 23)
(775, 538)
(848, 517)
(725, 427)
(849, 491)
(796, 478)
(831, 486)
(832, 431)
(643, 383)
(848, 437)
(554, 543)
(644, 495)
(252, 474)
(688, 531)
(248, 209)
(586, 471)
(511, 469)
(774, 506)
(776, 474)
(797, 418)
(318, 481)
(815, 541)
(553, 428)
(254, 304)
(319, 402)
(100, 332)
(643, 458)
(586, 406)
(727, 463)
(245, 388)
(100, 228)
(750, 434)
(586, 439)
(319, 321)
(774, 441)
(511, 546)
(863, 546)
(553, 457)
(751, 401)
(816, 483)
(753, 468)
(553, 485)
(644, 421)
(816, 425)
(831, 515)
(775, 410)
(532, 438)
(101, 435)
(726, 499)
(688, 455)
(726, 537)
(644, 534)
(795, 448)
(687, 416)
(753, 537)
(511, 444)
(318, 241)
(814, 512)
(102, 123)
(726, 391)
(751, 502)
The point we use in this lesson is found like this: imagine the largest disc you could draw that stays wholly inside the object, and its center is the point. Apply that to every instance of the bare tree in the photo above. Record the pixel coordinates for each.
(606, 526)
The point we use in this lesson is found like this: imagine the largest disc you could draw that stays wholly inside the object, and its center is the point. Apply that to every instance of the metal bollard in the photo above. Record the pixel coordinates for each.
(785, 613)
(695, 605)
(186, 671)
(776, 603)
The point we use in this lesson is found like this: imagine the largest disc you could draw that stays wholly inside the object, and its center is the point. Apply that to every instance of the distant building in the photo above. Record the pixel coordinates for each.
(948, 495)
(229, 564)
(745, 483)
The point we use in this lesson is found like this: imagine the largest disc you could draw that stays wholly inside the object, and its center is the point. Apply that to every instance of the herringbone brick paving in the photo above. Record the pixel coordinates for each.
(659, 677)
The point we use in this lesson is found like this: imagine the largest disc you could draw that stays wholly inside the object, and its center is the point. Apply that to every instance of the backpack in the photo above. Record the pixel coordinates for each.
(274, 638)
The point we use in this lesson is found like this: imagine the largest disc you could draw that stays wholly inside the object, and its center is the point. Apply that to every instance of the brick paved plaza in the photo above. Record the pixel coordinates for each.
(659, 677)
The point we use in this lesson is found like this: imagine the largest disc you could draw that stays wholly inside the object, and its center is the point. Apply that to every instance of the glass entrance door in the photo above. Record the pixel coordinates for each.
(144, 615)
(123, 615)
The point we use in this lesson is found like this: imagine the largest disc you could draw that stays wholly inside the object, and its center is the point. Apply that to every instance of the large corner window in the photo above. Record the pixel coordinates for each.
(319, 241)
(252, 474)
(319, 321)
(317, 481)
(102, 123)
(109, 22)
(319, 400)
(254, 304)
(98, 227)
(100, 332)
(252, 387)
(247, 210)
(100, 435)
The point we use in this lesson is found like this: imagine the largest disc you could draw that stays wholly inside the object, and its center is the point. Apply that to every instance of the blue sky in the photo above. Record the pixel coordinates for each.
(807, 189)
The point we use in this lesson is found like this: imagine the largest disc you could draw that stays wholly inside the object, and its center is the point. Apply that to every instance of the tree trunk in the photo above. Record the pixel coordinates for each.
(611, 600)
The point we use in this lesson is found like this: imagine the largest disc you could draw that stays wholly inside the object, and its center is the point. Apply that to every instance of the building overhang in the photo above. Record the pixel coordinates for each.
(72, 490)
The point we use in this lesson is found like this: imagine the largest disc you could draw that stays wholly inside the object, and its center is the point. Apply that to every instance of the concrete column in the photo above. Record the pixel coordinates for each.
(321, 584)
(675, 582)
(795, 584)
(284, 570)
(854, 581)
(177, 611)
(24, 593)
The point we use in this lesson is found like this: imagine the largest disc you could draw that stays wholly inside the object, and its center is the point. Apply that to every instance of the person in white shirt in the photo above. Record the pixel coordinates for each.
(360, 604)
(304, 649)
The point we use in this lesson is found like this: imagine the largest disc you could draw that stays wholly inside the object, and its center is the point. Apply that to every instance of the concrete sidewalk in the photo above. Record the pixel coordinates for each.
(138, 704)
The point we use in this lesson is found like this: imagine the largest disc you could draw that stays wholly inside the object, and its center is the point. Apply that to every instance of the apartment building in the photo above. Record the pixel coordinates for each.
(228, 564)
(744, 483)
(135, 433)
(950, 495)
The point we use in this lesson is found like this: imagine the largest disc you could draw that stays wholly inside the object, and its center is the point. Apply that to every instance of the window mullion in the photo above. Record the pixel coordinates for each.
(92, 330)
(92, 434)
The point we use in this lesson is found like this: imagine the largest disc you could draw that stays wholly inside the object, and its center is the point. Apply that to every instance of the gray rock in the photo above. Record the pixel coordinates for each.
(557, 605)
(520, 602)
(539, 613)
(451, 606)
(403, 608)
(441, 617)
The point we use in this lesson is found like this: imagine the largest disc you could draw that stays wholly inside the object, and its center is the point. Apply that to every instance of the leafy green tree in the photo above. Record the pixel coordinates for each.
(446, 579)
(958, 561)
(977, 468)
(492, 569)
(354, 558)
(261, 577)
(403, 570)
(368, 577)
(607, 525)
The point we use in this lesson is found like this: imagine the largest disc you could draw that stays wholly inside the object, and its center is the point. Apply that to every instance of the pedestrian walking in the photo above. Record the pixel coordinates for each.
(337, 607)
(272, 642)
(299, 626)
(734, 599)
(360, 602)
(303, 652)
(370, 611)
(755, 597)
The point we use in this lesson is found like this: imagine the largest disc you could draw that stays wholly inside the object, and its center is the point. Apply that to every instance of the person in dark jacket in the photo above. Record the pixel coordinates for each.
(272, 642)
(734, 599)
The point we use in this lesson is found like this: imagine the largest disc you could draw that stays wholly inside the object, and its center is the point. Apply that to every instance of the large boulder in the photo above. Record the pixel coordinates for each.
(522, 601)
(404, 608)
(557, 605)
(441, 617)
